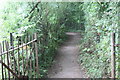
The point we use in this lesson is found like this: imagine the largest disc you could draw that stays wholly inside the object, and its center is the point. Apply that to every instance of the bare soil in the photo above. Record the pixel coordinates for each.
(66, 61)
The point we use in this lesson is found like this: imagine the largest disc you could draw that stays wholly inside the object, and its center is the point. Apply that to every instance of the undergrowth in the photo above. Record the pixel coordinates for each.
(97, 63)
(101, 19)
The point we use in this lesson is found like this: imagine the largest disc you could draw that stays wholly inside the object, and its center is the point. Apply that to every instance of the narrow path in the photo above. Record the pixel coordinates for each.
(65, 65)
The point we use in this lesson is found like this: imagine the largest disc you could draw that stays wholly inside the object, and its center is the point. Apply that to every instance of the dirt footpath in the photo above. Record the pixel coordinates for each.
(66, 65)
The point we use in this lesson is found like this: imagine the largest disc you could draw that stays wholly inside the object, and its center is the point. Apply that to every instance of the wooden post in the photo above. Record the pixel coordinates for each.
(23, 58)
(8, 57)
(1, 60)
(3, 49)
(18, 62)
(33, 45)
(12, 53)
(36, 51)
(26, 49)
(30, 63)
(112, 55)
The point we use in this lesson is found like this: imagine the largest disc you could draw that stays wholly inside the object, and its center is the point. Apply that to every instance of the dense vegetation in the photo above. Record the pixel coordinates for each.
(28, 18)
(95, 21)
(100, 20)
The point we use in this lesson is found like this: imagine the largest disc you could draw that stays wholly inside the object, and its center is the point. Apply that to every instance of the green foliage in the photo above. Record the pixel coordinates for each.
(95, 21)
(100, 20)
(43, 20)
(73, 16)
(12, 18)
(50, 32)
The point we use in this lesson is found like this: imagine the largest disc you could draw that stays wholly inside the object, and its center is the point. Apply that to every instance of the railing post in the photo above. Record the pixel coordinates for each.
(12, 53)
(36, 51)
(112, 55)
(1, 60)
